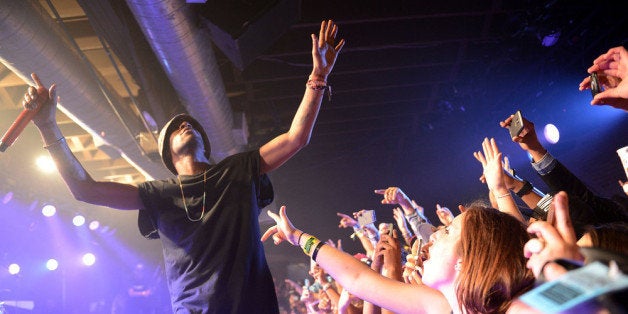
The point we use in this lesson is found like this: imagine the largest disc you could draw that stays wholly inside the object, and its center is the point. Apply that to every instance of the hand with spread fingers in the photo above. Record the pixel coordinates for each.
(491, 161)
(325, 50)
(444, 215)
(553, 241)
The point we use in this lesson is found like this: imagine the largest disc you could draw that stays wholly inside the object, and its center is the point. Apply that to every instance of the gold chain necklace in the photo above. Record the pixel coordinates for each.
(185, 206)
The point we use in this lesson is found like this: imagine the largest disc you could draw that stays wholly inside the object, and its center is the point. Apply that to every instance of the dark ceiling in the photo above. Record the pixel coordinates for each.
(416, 88)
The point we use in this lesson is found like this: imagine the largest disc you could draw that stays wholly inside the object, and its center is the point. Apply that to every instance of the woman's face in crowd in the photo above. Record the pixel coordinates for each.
(438, 269)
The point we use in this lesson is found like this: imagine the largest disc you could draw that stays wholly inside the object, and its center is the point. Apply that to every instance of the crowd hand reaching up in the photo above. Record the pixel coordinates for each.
(413, 269)
(491, 161)
(338, 246)
(492, 166)
(387, 256)
(400, 219)
(346, 221)
(394, 195)
(527, 139)
(612, 70)
(555, 240)
(345, 302)
(444, 215)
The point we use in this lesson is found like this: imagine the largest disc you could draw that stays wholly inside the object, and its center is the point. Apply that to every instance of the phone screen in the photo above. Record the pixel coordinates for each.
(595, 85)
(516, 124)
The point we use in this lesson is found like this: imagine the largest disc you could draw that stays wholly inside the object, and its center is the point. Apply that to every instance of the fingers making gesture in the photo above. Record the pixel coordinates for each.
(556, 240)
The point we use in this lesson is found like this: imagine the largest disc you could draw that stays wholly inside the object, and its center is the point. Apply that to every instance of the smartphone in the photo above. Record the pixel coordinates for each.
(516, 124)
(595, 85)
(366, 217)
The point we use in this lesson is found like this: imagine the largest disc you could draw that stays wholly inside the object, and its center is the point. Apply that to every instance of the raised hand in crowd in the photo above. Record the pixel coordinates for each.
(413, 268)
(555, 239)
(346, 221)
(387, 257)
(527, 139)
(414, 213)
(364, 234)
(400, 219)
(444, 215)
(349, 303)
(491, 161)
(612, 70)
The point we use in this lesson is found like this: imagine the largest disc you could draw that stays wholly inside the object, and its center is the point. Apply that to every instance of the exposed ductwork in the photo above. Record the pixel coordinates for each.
(186, 54)
(30, 41)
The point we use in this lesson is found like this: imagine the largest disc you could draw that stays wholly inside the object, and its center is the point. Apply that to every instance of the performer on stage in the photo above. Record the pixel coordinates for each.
(206, 217)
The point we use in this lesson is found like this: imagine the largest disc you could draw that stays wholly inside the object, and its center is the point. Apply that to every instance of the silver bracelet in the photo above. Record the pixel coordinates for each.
(58, 141)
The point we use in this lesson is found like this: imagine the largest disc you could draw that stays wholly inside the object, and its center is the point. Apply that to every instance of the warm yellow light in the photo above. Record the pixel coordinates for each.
(46, 164)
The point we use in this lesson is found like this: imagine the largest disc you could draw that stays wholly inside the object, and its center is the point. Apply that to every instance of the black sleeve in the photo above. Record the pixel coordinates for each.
(604, 210)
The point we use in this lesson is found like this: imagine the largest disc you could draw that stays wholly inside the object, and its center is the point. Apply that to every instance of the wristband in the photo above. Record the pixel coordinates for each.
(525, 189)
(319, 85)
(309, 243)
(315, 253)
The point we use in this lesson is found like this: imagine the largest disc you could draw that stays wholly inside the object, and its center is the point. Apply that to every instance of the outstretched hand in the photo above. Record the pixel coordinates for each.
(346, 221)
(40, 95)
(283, 230)
(325, 50)
(553, 240)
(491, 162)
(612, 69)
(444, 215)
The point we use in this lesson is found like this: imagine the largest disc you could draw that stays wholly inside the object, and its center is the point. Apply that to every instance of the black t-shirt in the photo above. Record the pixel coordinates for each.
(217, 264)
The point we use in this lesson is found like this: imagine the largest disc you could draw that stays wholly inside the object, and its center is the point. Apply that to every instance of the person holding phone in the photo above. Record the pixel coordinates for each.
(587, 208)
(611, 69)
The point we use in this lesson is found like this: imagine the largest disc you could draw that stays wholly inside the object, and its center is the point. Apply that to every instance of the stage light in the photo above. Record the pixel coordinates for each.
(78, 220)
(48, 210)
(14, 269)
(46, 164)
(89, 259)
(94, 225)
(52, 264)
(7, 197)
(552, 135)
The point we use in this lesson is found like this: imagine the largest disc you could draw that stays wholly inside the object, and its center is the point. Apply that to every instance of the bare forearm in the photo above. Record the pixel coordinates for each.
(506, 204)
(305, 117)
(69, 167)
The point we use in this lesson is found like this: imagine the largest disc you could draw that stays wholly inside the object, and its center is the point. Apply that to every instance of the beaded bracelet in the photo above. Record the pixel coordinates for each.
(319, 85)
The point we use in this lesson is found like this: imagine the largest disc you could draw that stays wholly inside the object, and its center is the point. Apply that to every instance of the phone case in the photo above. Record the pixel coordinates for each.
(516, 124)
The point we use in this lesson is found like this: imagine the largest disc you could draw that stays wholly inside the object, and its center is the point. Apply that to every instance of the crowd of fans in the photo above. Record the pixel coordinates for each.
(565, 252)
